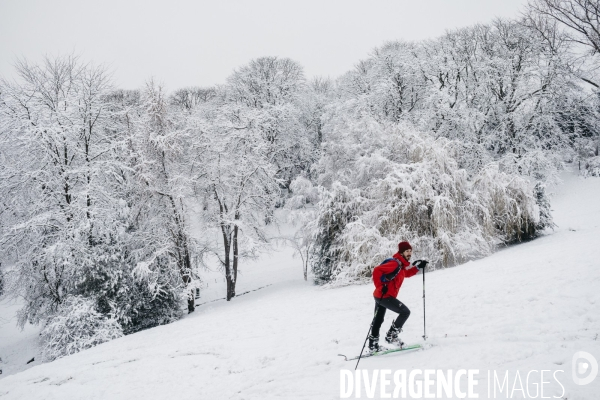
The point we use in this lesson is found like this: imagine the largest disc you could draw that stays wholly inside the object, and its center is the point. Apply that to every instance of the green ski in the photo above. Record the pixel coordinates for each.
(380, 353)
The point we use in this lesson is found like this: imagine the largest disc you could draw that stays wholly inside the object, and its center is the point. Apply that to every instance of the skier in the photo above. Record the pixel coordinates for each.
(388, 278)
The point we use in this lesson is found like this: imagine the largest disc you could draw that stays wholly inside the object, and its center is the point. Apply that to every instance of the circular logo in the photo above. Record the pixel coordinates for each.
(584, 368)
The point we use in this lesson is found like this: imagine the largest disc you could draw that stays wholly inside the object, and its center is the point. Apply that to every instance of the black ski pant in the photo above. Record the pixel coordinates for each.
(392, 304)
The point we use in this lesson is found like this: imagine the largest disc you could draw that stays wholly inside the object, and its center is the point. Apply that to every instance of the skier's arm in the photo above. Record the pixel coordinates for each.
(412, 271)
(416, 266)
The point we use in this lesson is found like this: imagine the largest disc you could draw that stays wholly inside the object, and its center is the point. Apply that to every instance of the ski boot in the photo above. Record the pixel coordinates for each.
(374, 346)
(392, 336)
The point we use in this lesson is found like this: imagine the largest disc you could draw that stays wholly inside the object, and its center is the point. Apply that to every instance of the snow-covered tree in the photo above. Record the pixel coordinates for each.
(497, 88)
(579, 24)
(312, 104)
(190, 97)
(157, 141)
(75, 326)
(581, 20)
(237, 182)
(301, 207)
(382, 183)
(71, 225)
(57, 150)
(272, 89)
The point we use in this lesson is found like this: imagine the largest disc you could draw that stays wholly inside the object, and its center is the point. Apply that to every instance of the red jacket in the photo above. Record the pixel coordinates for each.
(406, 271)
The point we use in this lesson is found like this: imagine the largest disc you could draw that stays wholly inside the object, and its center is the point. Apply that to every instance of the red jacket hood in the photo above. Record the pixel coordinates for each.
(401, 258)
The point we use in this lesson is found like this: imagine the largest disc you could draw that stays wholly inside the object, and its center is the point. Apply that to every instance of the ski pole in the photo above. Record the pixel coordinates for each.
(424, 331)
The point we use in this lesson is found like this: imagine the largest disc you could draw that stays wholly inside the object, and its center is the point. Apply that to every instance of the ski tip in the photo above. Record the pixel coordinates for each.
(345, 358)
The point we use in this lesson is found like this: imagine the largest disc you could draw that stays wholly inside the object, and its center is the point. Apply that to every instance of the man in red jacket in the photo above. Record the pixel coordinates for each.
(388, 278)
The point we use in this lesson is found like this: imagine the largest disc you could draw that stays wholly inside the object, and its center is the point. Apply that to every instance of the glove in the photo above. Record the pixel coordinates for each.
(421, 264)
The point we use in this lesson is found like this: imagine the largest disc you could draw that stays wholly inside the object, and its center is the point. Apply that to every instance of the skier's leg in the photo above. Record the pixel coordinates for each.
(403, 314)
(377, 321)
(395, 305)
(380, 314)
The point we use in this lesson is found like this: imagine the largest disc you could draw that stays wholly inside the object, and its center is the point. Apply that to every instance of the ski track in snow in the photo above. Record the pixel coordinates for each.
(528, 306)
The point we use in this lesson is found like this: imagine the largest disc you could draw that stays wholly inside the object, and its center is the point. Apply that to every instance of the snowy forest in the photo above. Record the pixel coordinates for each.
(113, 201)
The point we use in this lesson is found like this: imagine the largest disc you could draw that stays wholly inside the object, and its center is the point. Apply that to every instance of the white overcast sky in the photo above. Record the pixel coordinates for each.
(185, 42)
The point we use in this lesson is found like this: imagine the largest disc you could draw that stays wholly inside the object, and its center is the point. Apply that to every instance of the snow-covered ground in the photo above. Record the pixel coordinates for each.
(17, 346)
(528, 307)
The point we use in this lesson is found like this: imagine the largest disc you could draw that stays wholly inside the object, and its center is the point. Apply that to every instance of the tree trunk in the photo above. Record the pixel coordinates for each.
(305, 262)
(230, 287)
(184, 260)
(186, 268)
(235, 257)
(191, 302)
(305, 272)
(228, 273)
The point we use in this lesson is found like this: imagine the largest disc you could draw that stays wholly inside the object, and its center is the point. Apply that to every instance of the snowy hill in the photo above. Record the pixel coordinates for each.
(528, 307)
